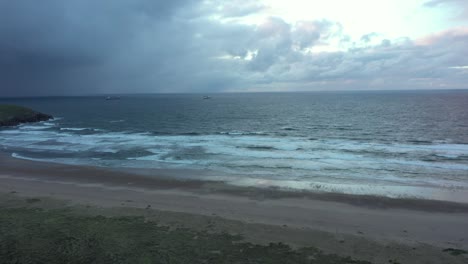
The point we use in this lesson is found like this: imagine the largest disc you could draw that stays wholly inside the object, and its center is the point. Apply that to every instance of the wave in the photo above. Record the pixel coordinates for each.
(261, 147)
(36, 126)
(191, 134)
(419, 142)
(46, 123)
(18, 156)
(33, 127)
(242, 133)
(448, 156)
(74, 128)
(84, 129)
(247, 153)
(245, 140)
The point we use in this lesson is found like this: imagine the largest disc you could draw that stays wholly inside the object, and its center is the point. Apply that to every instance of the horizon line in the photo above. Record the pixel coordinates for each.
(230, 92)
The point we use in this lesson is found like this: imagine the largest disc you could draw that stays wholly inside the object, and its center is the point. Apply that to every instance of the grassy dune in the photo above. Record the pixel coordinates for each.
(29, 235)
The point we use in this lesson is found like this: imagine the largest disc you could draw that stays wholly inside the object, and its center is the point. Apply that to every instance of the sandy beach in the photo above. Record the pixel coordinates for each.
(234, 132)
(369, 228)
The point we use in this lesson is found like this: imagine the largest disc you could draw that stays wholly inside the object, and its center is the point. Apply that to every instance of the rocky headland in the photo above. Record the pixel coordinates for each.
(12, 115)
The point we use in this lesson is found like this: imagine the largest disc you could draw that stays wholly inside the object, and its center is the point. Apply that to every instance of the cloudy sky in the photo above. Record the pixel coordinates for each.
(57, 47)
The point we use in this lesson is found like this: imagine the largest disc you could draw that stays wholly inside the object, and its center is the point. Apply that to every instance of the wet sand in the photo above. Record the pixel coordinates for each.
(365, 227)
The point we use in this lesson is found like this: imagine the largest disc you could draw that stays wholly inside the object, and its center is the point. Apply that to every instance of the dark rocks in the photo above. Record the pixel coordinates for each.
(12, 115)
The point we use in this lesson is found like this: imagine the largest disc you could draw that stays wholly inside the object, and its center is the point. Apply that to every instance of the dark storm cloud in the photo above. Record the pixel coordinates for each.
(58, 46)
(119, 46)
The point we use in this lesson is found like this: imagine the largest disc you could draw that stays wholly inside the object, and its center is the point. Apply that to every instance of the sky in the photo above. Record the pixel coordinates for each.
(77, 47)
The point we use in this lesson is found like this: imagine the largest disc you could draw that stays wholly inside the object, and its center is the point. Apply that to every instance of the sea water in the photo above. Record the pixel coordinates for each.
(393, 143)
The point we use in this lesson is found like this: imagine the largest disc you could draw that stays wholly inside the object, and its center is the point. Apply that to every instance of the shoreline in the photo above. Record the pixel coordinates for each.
(428, 170)
(170, 179)
(373, 228)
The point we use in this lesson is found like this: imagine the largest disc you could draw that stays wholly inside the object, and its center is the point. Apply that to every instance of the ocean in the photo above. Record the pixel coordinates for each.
(390, 143)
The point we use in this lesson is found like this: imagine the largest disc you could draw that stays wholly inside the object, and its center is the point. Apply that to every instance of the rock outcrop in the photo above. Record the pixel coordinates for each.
(12, 115)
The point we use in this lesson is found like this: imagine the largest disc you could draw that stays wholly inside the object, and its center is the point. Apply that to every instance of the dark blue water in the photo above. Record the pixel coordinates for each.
(360, 141)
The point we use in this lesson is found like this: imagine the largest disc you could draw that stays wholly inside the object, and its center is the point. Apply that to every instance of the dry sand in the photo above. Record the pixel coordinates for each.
(368, 228)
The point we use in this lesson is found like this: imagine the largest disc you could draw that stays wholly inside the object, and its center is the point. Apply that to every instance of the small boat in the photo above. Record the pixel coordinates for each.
(206, 97)
(112, 98)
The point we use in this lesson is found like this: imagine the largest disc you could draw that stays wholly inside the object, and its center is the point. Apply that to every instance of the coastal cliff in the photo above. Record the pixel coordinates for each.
(12, 115)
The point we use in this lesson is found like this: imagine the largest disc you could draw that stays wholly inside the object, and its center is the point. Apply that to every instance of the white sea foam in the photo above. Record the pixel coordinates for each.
(18, 156)
(386, 189)
(277, 147)
(432, 165)
(266, 157)
(147, 158)
(31, 127)
(74, 128)
(80, 129)
(450, 156)
(242, 133)
(45, 123)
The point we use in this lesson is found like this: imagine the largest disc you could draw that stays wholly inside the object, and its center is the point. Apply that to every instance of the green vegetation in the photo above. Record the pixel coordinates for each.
(33, 200)
(455, 252)
(60, 236)
(11, 115)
